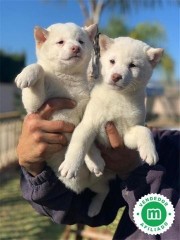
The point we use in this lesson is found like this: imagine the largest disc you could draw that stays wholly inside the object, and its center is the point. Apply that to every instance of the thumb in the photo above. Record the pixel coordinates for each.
(114, 138)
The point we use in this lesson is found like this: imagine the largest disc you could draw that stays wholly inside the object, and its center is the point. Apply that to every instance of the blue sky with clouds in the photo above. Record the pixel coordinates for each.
(18, 18)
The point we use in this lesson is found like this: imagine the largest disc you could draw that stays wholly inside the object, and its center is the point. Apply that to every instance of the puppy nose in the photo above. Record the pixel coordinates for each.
(75, 49)
(116, 77)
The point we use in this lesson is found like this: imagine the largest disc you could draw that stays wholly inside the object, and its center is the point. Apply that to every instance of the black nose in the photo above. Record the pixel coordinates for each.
(116, 77)
(75, 49)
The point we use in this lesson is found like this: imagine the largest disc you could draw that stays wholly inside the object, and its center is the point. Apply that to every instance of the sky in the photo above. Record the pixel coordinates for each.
(19, 17)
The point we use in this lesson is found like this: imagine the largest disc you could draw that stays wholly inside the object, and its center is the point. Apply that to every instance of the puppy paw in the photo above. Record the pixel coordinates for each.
(68, 170)
(148, 154)
(95, 164)
(96, 169)
(25, 79)
(29, 76)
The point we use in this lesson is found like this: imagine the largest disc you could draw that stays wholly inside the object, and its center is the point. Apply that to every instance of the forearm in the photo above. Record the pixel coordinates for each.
(38, 188)
(155, 179)
(43, 190)
(145, 180)
(142, 181)
(50, 197)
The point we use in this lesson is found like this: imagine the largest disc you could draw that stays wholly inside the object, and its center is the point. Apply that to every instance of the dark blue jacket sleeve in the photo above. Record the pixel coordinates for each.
(50, 197)
(162, 179)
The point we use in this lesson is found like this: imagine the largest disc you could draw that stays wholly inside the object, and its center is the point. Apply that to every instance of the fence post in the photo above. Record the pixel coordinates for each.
(10, 128)
(80, 227)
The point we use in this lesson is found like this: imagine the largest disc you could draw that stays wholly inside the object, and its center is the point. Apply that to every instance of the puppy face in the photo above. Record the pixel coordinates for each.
(65, 46)
(127, 63)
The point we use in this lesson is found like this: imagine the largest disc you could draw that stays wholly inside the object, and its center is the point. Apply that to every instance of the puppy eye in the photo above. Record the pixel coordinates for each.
(112, 61)
(60, 42)
(81, 42)
(132, 65)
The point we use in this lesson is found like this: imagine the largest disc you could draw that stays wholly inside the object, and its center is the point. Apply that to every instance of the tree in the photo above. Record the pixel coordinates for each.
(93, 9)
(10, 66)
(152, 34)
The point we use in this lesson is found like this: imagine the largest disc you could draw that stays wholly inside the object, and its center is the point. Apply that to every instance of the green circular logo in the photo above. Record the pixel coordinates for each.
(153, 214)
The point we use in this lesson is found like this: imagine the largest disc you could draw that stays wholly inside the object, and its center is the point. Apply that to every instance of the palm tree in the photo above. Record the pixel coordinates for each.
(150, 33)
(93, 9)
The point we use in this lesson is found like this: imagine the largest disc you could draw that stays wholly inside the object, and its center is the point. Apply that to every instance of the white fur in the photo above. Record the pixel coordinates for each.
(121, 102)
(59, 74)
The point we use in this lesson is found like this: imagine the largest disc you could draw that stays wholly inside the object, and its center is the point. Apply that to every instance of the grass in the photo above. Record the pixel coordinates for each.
(17, 218)
(18, 221)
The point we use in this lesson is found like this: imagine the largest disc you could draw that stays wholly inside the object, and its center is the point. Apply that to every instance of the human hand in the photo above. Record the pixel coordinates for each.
(119, 158)
(40, 137)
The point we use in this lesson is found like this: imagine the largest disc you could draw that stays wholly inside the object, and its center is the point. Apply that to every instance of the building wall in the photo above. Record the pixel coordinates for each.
(7, 97)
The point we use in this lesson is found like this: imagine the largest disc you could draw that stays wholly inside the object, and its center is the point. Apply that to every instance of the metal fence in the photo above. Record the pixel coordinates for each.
(10, 128)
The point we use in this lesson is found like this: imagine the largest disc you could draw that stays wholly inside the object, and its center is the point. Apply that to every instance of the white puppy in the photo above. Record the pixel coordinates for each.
(119, 96)
(63, 52)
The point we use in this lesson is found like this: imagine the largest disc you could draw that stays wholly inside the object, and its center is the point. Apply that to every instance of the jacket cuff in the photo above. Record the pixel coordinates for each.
(47, 175)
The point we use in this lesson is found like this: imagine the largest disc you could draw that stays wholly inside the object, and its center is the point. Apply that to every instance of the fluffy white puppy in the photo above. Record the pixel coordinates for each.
(119, 96)
(63, 52)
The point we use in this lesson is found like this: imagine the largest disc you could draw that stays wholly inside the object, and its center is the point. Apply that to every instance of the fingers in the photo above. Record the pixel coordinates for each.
(53, 148)
(52, 105)
(56, 126)
(34, 123)
(51, 138)
(43, 150)
(113, 136)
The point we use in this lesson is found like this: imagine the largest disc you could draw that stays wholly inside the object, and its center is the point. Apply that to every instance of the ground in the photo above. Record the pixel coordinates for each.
(18, 220)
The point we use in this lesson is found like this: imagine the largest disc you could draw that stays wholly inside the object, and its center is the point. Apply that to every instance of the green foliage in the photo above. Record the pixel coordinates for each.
(151, 33)
(168, 63)
(129, 5)
(10, 66)
(126, 6)
(115, 28)
(168, 66)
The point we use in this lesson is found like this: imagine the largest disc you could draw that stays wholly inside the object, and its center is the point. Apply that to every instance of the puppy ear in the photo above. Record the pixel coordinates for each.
(92, 31)
(154, 55)
(104, 42)
(40, 35)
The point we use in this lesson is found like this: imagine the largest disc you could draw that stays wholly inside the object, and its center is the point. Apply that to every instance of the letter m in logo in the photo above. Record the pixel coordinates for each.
(154, 214)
